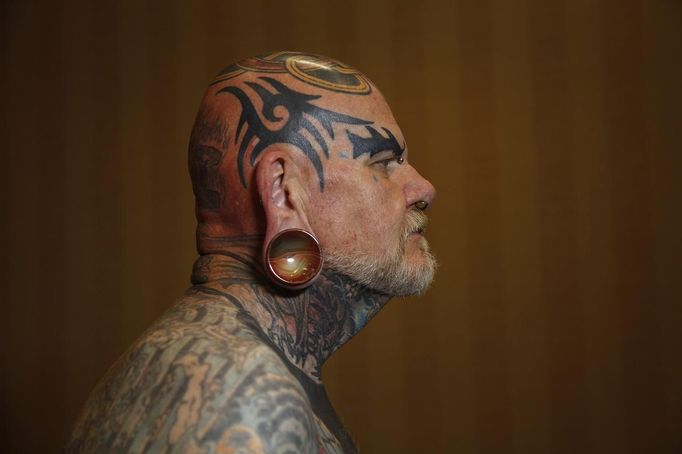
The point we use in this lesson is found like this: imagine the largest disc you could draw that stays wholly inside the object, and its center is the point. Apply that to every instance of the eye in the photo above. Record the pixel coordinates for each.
(385, 163)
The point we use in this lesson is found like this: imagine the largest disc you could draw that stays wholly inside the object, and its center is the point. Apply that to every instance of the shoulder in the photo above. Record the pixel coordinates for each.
(199, 380)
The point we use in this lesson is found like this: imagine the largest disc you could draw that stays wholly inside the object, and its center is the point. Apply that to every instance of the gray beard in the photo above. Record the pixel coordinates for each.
(391, 273)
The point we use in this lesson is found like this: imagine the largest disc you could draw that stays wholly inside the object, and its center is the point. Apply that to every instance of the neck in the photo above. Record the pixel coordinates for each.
(306, 326)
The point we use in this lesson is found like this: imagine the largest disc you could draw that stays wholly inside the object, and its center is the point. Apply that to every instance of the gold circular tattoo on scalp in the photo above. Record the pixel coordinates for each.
(312, 69)
(304, 68)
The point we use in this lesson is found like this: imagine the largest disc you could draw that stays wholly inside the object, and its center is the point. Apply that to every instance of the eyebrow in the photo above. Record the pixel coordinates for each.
(375, 143)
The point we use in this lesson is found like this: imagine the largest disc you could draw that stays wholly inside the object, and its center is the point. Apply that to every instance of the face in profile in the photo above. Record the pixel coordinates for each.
(368, 217)
(360, 195)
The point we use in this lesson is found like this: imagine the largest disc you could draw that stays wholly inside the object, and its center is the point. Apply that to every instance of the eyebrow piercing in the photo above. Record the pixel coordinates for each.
(400, 160)
(421, 205)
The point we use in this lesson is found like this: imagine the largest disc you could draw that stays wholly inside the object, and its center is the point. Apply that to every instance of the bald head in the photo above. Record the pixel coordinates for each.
(298, 141)
(309, 106)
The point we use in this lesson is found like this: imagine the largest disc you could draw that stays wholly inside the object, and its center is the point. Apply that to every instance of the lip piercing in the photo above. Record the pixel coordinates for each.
(421, 205)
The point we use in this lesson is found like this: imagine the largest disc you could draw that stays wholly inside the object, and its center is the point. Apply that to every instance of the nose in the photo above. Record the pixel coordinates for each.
(417, 188)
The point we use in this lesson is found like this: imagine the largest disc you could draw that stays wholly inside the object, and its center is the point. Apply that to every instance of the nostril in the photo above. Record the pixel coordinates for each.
(421, 205)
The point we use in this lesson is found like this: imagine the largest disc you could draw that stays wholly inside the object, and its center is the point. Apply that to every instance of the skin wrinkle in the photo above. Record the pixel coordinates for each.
(236, 364)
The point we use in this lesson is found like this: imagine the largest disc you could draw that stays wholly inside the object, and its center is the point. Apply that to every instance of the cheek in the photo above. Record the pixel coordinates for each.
(359, 215)
(359, 210)
(341, 219)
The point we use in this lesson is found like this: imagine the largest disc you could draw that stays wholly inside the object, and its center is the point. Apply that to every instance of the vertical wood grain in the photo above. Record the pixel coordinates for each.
(549, 128)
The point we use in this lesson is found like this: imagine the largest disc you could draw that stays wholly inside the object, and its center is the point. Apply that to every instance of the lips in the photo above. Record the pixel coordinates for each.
(419, 232)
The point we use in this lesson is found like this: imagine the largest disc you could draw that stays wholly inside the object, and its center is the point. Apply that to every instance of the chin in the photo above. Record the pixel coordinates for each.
(417, 270)
(403, 274)
(408, 277)
(421, 277)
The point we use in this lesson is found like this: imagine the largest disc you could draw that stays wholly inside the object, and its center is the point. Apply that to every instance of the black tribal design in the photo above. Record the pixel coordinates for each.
(375, 143)
(206, 152)
(291, 112)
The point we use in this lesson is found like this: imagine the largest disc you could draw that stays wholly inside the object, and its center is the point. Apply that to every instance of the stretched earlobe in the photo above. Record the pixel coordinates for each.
(293, 258)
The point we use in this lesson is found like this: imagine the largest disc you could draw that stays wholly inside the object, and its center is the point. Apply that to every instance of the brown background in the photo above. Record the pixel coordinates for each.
(550, 128)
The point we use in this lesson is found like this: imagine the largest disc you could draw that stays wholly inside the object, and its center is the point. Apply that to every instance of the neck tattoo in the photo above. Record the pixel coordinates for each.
(306, 326)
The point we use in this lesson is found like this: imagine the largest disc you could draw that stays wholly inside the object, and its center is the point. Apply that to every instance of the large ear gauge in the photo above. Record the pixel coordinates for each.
(293, 258)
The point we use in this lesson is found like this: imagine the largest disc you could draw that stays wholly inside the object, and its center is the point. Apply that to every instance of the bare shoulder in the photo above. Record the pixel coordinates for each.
(200, 380)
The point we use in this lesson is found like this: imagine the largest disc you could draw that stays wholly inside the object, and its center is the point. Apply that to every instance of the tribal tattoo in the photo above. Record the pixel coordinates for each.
(375, 143)
(274, 113)
(289, 125)
(206, 152)
(233, 367)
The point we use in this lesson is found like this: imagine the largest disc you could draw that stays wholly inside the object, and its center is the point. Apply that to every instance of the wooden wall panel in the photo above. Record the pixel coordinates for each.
(551, 130)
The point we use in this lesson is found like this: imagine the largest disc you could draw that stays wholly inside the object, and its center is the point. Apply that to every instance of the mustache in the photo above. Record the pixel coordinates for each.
(415, 221)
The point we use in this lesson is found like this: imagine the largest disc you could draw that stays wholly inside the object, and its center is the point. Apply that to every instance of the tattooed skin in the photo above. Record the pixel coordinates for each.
(210, 377)
(205, 155)
(297, 107)
(282, 141)
(285, 116)
(315, 70)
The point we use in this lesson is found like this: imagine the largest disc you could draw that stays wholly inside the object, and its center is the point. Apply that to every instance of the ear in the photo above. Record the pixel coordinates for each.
(281, 193)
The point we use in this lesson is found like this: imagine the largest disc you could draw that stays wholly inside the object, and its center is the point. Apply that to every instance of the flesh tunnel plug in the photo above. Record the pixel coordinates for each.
(293, 258)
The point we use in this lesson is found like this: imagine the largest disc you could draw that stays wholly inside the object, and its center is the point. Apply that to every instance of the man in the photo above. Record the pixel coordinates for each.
(309, 219)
